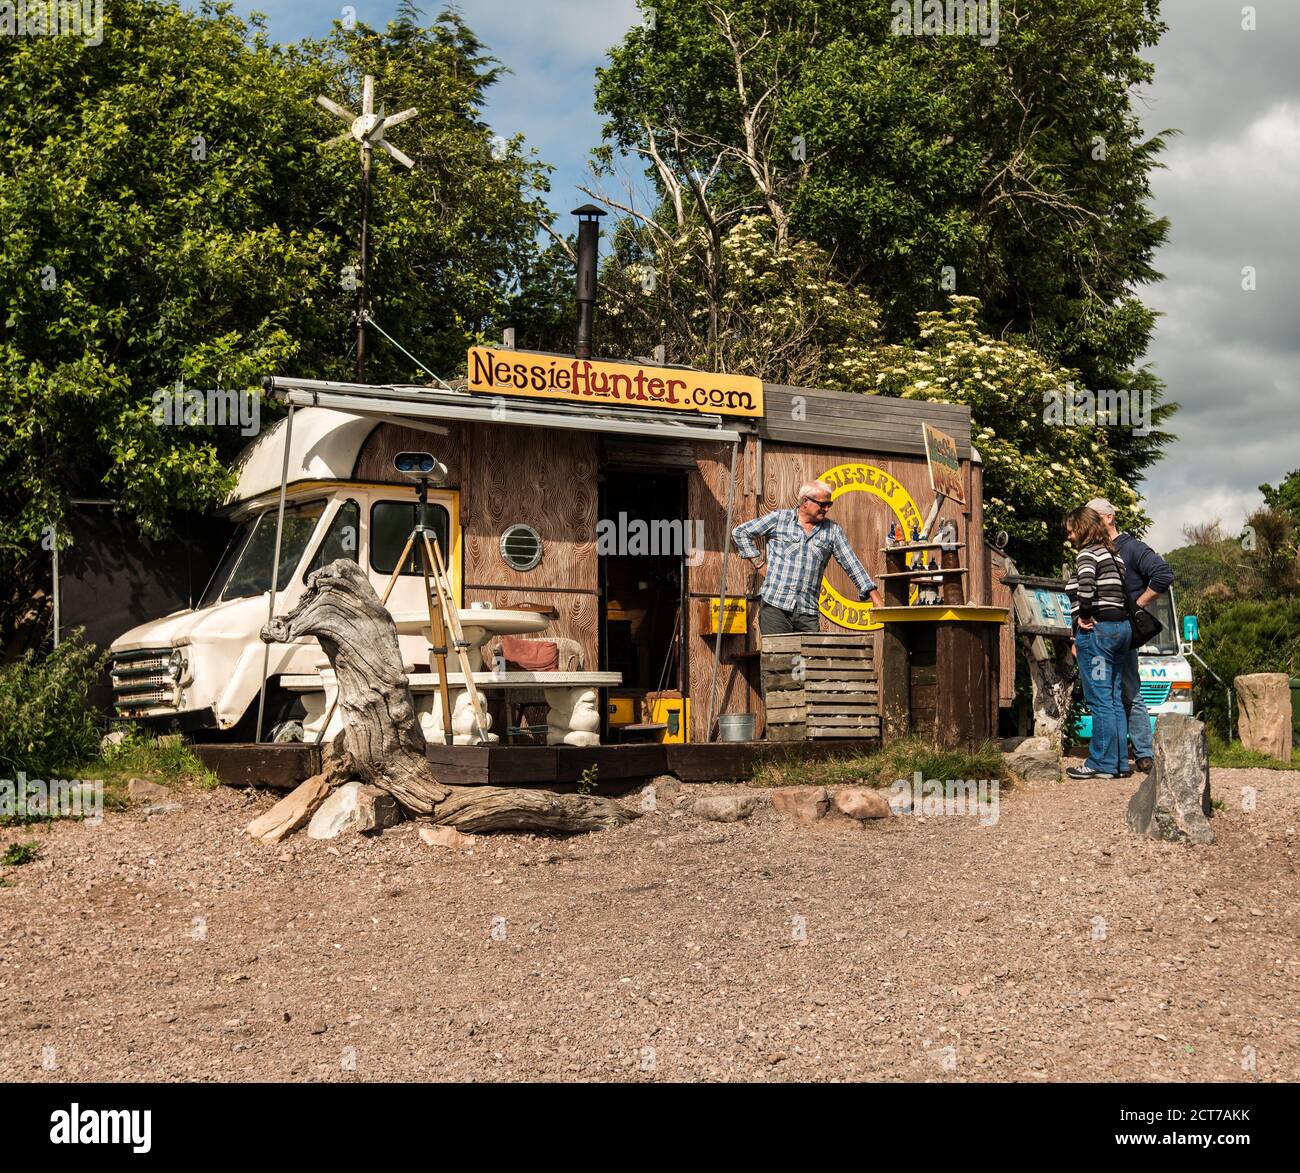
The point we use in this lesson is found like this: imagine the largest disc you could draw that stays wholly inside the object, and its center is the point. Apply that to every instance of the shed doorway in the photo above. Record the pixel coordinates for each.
(643, 544)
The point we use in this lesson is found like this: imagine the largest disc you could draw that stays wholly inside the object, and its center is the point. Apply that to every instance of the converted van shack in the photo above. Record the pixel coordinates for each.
(584, 516)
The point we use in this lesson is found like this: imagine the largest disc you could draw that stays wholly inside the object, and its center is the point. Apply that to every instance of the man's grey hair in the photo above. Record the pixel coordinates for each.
(813, 489)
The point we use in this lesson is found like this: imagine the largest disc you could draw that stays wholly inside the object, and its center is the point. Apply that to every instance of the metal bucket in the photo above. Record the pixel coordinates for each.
(736, 727)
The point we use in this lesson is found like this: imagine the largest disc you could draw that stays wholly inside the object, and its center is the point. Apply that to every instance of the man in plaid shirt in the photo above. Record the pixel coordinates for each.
(800, 541)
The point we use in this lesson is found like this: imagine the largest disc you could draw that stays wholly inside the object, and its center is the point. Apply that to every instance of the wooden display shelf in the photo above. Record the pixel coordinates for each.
(907, 547)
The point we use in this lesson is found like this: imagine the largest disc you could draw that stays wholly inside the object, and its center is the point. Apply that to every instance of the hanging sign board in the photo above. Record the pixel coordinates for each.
(611, 384)
(945, 468)
(736, 622)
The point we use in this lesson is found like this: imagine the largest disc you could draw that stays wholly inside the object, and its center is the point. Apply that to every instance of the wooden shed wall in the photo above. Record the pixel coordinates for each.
(864, 516)
(549, 480)
(506, 475)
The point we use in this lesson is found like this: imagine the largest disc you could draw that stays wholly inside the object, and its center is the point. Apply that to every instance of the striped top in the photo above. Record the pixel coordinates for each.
(1096, 588)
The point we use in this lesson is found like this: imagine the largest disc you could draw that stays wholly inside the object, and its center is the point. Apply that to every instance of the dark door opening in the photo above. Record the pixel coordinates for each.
(643, 540)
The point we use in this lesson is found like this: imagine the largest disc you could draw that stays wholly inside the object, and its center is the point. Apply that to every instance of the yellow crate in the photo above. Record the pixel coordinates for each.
(623, 710)
(675, 712)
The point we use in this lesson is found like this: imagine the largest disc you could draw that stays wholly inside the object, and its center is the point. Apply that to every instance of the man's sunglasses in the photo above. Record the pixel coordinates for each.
(825, 504)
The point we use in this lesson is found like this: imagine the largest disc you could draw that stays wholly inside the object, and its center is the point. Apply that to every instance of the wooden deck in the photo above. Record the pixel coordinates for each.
(555, 767)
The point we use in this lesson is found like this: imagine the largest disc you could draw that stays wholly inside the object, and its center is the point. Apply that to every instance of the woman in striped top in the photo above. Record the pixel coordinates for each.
(1101, 640)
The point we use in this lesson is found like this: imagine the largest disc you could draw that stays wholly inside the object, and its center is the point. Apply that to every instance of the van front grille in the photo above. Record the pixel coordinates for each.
(141, 681)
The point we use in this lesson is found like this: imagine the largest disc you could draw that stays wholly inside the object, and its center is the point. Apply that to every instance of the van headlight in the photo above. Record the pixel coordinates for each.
(176, 665)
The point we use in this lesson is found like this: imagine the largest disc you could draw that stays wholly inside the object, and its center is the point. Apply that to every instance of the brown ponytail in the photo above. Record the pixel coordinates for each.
(1090, 530)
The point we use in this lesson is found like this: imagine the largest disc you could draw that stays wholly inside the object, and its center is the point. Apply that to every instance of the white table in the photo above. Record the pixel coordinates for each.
(480, 624)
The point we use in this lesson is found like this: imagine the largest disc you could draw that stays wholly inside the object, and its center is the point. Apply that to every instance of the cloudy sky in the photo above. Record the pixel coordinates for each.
(1231, 187)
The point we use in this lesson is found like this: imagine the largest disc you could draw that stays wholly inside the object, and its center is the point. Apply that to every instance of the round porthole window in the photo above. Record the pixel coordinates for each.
(521, 547)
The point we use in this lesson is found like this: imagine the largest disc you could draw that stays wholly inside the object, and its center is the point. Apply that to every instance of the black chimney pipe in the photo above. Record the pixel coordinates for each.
(588, 242)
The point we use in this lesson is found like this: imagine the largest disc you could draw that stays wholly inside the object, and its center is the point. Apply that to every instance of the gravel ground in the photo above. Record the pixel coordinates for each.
(171, 947)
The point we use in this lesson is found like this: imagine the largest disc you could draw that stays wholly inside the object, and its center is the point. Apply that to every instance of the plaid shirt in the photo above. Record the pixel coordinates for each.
(796, 560)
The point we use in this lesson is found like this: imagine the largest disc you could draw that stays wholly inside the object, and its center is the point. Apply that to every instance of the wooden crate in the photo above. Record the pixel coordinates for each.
(820, 686)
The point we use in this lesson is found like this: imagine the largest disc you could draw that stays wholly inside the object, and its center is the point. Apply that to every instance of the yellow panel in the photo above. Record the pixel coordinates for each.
(661, 709)
(924, 614)
(623, 710)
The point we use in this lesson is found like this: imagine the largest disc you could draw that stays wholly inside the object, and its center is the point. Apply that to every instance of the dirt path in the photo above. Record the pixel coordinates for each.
(171, 947)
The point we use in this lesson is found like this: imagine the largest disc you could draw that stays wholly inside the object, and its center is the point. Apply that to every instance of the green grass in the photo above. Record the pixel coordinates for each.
(1236, 756)
(166, 761)
(17, 854)
(900, 759)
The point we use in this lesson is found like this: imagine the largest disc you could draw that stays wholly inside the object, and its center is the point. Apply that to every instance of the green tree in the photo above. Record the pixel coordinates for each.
(167, 213)
(1014, 171)
(788, 317)
(1285, 496)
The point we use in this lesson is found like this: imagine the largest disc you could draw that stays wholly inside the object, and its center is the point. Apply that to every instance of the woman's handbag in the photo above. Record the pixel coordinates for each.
(1145, 625)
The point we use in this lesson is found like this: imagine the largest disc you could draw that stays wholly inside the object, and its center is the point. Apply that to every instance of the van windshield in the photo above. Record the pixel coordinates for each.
(245, 569)
(1166, 643)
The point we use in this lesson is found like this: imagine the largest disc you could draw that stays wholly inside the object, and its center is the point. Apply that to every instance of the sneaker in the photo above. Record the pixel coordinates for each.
(1124, 774)
(1086, 772)
(1145, 765)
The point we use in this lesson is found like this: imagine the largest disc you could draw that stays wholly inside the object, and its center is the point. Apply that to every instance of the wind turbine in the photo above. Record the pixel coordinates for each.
(368, 129)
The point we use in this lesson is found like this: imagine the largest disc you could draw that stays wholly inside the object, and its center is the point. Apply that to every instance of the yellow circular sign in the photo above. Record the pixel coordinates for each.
(864, 478)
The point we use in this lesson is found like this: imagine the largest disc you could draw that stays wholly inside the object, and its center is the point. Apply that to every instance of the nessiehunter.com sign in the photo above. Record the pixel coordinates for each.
(579, 380)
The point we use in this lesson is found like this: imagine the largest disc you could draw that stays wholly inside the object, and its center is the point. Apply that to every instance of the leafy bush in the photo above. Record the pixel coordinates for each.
(1240, 637)
(46, 722)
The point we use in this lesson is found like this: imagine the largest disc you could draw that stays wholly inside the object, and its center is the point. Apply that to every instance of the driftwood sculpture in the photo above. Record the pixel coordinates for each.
(382, 743)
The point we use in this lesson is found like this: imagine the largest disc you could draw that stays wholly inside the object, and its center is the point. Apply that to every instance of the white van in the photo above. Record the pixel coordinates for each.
(201, 669)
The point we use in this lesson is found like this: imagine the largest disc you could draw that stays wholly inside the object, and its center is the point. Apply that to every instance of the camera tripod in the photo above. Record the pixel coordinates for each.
(444, 619)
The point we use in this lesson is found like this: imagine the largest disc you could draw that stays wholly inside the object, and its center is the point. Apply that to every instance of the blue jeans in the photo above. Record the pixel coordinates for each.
(1139, 720)
(1103, 652)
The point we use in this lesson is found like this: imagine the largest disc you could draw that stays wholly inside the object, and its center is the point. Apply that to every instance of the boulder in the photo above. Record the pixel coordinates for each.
(804, 804)
(861, 802)
(1034, 760)
(291, 812)
(435, 836)
(725, 808)
(353, 807)
(138, 790)
(1264, 713)
(1173, 801)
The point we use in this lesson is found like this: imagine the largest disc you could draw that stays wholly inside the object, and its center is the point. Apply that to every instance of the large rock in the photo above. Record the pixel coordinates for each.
(1035, 760)
(725, 808)
(1173, 801)
(1264, 713)
(861, 802)
(291, 812)
(353, 807)
(804, 804)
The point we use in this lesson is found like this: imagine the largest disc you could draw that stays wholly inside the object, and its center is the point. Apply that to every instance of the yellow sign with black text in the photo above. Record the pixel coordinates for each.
(611, 384)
